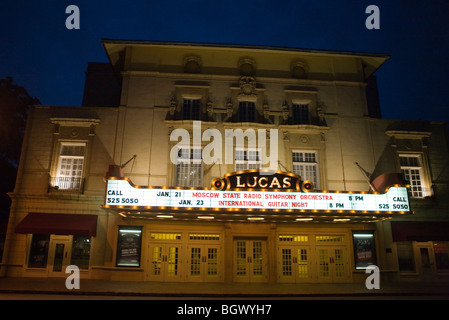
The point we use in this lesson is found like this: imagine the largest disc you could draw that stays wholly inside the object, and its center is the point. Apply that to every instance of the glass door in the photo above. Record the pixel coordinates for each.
(333, 264)
(164, 262)
(204, 263)
(59, 256)
(250, 260)
(241, 262)
(324, 272)
(294, 264)
(426, 260)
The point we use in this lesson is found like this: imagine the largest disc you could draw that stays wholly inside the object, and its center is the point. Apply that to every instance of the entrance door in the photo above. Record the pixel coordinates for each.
(164, 262)
(333, 264)
(426, 261)
(294, 264)
(250, 260)
(59, 256)
(204, 263)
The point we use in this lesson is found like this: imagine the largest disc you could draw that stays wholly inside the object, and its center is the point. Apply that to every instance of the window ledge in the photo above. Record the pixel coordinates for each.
(399, 134)
(247, 125)
(188, 124)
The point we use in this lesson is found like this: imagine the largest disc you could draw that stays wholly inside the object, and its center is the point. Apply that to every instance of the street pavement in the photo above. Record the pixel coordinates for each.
(90, 287)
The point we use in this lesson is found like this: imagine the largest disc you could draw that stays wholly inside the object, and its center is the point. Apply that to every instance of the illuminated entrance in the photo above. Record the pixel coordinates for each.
(313, 258)
(294, 259)
(164, 261)
(181, 256)
(288, 232)
(333, 264)
(203, 263)
(59, 255)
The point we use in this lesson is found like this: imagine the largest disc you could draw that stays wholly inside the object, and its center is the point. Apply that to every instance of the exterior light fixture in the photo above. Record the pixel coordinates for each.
(164, 216)
(130, 231)
(363, 235)
(307, 186)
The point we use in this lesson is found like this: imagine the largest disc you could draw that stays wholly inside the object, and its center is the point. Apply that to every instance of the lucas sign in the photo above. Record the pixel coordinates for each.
(229, 193)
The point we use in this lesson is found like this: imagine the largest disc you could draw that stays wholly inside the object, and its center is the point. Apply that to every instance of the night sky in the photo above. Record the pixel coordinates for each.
(50, 61)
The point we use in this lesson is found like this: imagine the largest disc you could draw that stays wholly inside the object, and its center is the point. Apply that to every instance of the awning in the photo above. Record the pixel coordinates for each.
(419, 231)
(63, 224)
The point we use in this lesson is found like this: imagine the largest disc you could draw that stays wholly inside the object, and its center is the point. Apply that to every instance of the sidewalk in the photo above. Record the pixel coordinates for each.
(220, 290)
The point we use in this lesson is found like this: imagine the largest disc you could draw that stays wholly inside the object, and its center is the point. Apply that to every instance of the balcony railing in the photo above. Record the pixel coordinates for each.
(72, 184)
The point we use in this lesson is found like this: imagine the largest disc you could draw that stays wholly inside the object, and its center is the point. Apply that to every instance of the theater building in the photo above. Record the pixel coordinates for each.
(121, 188)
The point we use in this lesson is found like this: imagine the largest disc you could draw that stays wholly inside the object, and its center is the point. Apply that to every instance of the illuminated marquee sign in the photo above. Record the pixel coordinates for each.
(261, 180)
(229, 194)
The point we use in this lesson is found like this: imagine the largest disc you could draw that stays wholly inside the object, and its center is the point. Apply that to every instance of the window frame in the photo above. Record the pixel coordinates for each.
(246, 163)
(441, 256)
(68, 182)
(313, 164)
(74, 258)
(244, 114)
(408, 265)
(189, 160)
(424, 190)
(298, 115)
(188, 103)
(42, 250)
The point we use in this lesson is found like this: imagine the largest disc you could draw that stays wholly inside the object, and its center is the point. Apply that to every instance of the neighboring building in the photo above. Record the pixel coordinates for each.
(78, 161)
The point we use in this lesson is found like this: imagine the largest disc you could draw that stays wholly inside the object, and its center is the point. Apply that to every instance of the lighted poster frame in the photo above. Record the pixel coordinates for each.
(129, 246)
(364, 249)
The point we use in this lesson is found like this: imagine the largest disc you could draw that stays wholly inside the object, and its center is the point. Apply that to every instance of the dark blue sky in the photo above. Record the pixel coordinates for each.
(50, 60)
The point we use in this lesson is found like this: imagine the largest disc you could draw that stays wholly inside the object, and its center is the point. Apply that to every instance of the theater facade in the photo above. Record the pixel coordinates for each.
(304, 182)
